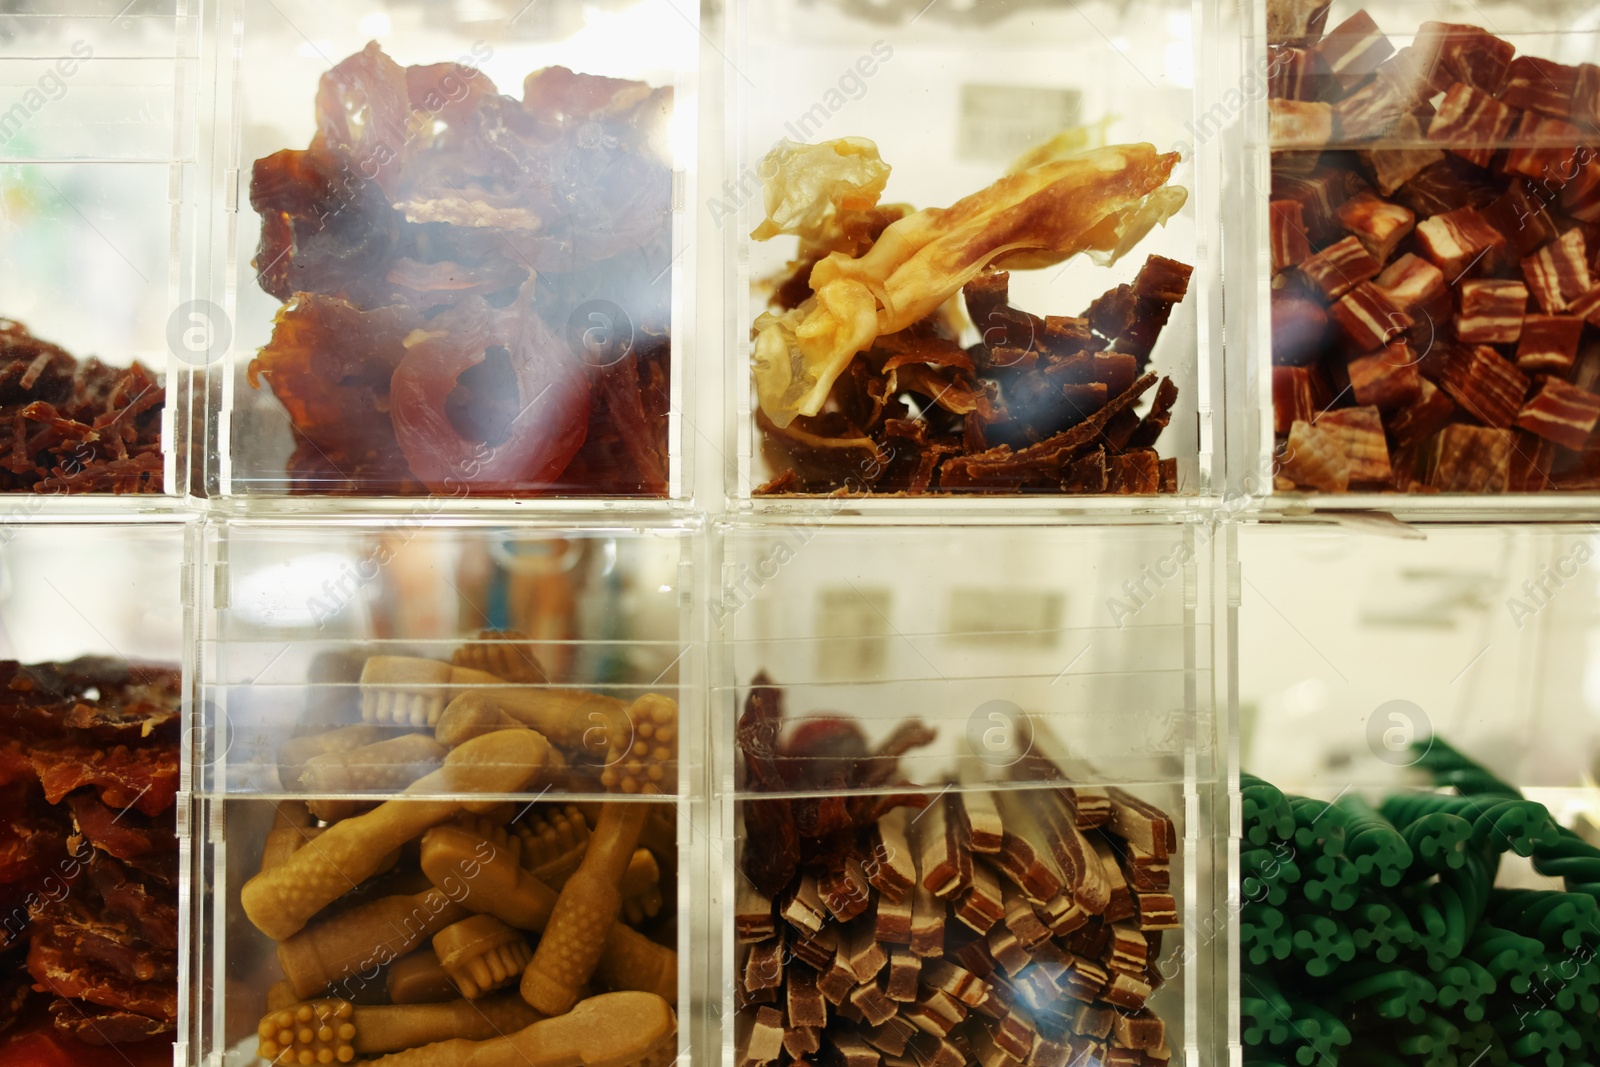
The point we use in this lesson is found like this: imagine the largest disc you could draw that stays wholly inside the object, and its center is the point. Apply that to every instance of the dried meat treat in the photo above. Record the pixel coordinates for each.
(526, 380)
(864, 383)
(1340, 267)
(71, 426)
(1467, 459)
(1491, 311)
(1561, 413)
(1354, 49)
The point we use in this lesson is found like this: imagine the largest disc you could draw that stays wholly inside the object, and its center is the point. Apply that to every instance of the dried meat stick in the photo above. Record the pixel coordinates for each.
(281, 900)
(610, 1030)
(453, 857)
(344, 1030)
(584, 914)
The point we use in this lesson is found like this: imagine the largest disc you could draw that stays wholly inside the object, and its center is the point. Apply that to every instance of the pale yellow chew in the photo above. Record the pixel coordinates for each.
(281, 995)
(585, 912)
(481, 954)
(506, 654)
(471, 715)
(337, 1031)
(553, 844)
(295, 753)
(455, 858)
(384, 767)
(281, 900)
(645, 761)
(283, 842)
(610, 1030)
(347, 950)
(404, 689)
(419, 979)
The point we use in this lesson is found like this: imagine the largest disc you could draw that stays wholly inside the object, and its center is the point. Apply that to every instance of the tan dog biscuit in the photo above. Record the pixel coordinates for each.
(336, 1031)
(481, 954)
(384, 767)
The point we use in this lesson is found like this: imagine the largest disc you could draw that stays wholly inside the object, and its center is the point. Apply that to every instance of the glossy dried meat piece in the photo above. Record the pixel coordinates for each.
(1367, 321)
(1339, 268)
(1470, 54)
(1491, 311)
(1460, 241)
(1289, 242)
(1158, 418)
(1467, 459)
(1549, 344)
(1446, 186)
(1358, 433)
(1520, 214)
(1371, 112)
(1314, 459)
(1387, 379)
(1354, 49)
(1299, 394)
(1587, 306)
(1299, 328)
(1423, 417)
(1134, 473)
(1560, 413)
(1319, 194)
(1393, 167)
(1299, 123)
(1580, 196)
(142, 778)
(1160, 285)
(1544, 148)
(1378, 224)
(1484, 384)
(1559, 272)
(1471, 124)
(1415, 74)
(1411, 282)
(1289, 72)
(1540, 85)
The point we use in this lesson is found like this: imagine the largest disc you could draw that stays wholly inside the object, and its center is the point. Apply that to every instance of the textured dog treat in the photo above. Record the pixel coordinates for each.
(575, 935)
(281, 900)
(336, 1031)
(419, 979)
(481, 954)
(296, 752)
(506, 654)
(383, 767)
(348, 949)
(609, 1030)
(404, 690)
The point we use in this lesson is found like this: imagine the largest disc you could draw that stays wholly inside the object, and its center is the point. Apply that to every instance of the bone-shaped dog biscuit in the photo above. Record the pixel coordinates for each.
(585, 911)
(610, 1030)
(336, 1031)
(281, 900)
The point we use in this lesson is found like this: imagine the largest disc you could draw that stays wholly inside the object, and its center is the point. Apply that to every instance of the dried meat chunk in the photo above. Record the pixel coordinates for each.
(1426, 415)
(1297, 22)
(1373, 111)
(1358, 433)
(1472, 124)
(1393, 167)
(1295, 124)
(1289, 72)
(1540, 85)
(1314, 458)
(1289, 243)
(1299, 329)
(1560, 413)
(1387, 380)
(1484, 384)
(1378, 224)
(1319, 194)
(1491, 311)
(1470, 54)
(1367, 321)
(1544, 148)
(1299, 394)
(1412, 283)
(1522, 216)
(1160, 285)
(1549, 344)
(1559, 272)
(1339, 268)
(1354, 49)
(1460, 241)
(1467, 459)
(123, 776)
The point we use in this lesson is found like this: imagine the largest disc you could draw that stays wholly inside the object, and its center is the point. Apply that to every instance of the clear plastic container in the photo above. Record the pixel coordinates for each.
(534, 227)
(926, 727)
(1366, 663)
(97, 166)
(952, 95)
(94, 891)
(1413, 258)
(388, 712)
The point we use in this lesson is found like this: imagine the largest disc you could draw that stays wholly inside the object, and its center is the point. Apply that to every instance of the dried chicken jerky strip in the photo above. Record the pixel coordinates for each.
(1119, 900)
(1021, 919)
(1157, 911)
(981, 820)
(945, 861)
(927, 922)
